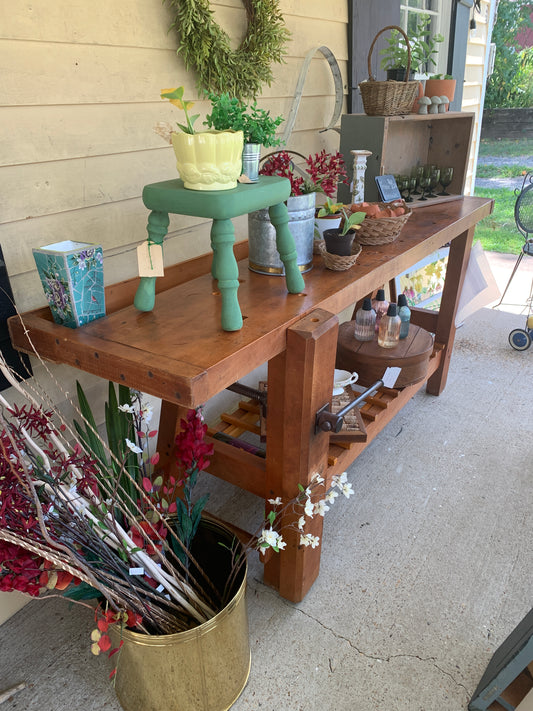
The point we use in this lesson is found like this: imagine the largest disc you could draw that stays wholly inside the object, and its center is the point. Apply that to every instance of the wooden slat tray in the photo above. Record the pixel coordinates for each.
(353, 428)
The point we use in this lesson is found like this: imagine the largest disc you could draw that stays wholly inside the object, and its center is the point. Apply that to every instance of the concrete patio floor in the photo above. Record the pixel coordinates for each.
(425, 571)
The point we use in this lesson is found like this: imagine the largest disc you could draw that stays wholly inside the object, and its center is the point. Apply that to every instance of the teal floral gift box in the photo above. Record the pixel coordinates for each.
(72, 275)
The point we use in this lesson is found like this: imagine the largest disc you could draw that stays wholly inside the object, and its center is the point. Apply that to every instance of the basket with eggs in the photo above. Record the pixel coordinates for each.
(383, 222)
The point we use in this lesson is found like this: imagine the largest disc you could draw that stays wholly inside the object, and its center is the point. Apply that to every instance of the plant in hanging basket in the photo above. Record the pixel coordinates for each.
(388, 98)
(423, 46)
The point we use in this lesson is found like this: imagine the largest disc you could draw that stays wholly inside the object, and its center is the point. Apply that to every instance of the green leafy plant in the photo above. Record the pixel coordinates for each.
(511, 83)
(351, 221)
(439, 76)
(175, 96)
(329, 208)
(205, 47)
(257, 125)
(423, 47)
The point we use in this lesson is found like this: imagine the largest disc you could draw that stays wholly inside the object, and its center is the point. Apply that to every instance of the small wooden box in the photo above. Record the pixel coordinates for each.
(370, 360)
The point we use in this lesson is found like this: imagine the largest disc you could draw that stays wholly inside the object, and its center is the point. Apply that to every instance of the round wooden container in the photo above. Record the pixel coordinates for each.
(370, 360)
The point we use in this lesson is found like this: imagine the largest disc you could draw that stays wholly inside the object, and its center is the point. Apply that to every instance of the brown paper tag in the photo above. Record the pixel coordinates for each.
(150, 260)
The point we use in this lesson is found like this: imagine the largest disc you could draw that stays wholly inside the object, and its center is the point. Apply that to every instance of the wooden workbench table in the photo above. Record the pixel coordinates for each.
(179, 353)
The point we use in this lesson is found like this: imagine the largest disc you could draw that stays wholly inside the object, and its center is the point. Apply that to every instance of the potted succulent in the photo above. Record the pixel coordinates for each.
(339, 240)
(207, 160)
(423, 49)
(258, 126)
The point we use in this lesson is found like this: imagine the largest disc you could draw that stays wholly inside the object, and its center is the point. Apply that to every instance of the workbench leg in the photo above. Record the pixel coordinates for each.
(445, 332)
(169, 426)
(300, 382)
(286, 248)
(157, 229)
(226, 272)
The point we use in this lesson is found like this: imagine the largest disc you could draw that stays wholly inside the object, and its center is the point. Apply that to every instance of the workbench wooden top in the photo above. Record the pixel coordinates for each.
(178, 351)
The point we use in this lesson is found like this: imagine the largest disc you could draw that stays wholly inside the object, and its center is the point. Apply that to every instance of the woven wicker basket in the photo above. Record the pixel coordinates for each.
(334, 261)
(388, 98)
(382, 230)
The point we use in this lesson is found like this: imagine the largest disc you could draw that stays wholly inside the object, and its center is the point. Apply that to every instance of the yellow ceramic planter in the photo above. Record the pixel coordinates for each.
(211, 160)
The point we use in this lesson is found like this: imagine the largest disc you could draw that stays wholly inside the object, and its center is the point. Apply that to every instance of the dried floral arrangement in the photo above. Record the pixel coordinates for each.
(96, 521)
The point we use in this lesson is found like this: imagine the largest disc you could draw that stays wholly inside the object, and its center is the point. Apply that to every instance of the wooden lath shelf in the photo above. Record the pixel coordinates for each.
(378, 410)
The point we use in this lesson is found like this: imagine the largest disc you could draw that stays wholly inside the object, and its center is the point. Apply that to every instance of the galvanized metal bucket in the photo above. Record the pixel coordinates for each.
(263, 256)
(202, 669)
(251, 154)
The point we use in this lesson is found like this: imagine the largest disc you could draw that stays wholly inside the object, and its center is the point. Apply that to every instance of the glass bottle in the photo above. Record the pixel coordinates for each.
(380, 306)
(404, 312)
(389, 328)
(365, 322)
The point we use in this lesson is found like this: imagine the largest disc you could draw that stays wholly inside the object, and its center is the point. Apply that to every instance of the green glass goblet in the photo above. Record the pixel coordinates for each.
(424, 184)
(434, 178)
(446, 177)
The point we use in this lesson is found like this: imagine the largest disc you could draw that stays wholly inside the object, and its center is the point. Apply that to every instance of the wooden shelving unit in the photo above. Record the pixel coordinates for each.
(400, 142)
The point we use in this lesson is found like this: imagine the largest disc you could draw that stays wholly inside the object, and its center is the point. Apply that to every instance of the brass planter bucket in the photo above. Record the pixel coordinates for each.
(202, 669)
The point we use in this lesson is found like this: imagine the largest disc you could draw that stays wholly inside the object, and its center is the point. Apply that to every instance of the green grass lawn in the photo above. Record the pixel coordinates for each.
(501, 171)
(498, 232)
(505, 148)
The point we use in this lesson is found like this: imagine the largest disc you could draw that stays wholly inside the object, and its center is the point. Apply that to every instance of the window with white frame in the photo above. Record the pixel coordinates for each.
(439, 12)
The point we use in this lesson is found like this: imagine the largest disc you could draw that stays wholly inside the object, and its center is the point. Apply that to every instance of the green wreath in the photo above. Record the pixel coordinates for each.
(206, 48)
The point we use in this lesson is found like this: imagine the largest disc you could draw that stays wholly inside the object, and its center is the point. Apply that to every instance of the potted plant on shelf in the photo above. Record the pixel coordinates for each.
(327, 216)
(339, 240)
(98, 523)
(439, 85)
(423, 50)
(207, 160)
(320, 173)
(258, 126)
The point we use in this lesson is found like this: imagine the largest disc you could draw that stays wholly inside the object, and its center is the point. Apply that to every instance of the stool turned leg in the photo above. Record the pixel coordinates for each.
(157, 228)
(286, 248)
(226, 272)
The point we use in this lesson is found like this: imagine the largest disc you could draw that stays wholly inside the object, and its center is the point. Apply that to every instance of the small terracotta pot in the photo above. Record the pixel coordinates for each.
(338, 244)
(440, 87)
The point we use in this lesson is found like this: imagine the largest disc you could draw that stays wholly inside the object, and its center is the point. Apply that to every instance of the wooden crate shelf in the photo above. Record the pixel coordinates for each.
(400, 142)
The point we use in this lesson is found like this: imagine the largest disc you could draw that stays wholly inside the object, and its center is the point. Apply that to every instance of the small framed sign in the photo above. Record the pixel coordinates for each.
(387, 188)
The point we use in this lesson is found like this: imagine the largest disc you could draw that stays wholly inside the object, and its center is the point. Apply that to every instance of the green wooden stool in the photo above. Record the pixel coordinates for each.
(221, 206)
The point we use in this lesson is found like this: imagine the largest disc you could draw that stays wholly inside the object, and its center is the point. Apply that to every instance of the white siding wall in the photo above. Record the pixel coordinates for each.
(475, 79)
(80, 85)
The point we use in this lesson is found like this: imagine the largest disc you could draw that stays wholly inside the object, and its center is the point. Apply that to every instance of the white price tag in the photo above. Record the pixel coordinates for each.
(391, 376)
(150, 259)
(136, 571)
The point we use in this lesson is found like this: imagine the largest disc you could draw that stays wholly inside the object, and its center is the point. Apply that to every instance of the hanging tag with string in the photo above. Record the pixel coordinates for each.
(150, 259)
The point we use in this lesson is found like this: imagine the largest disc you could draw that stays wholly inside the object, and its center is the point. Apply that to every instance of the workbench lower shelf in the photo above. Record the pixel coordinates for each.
(242, 432)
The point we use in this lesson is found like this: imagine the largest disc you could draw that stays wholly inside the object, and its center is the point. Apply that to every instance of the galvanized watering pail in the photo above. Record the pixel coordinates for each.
(263, 256)
(202, 669)
(251, 154)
